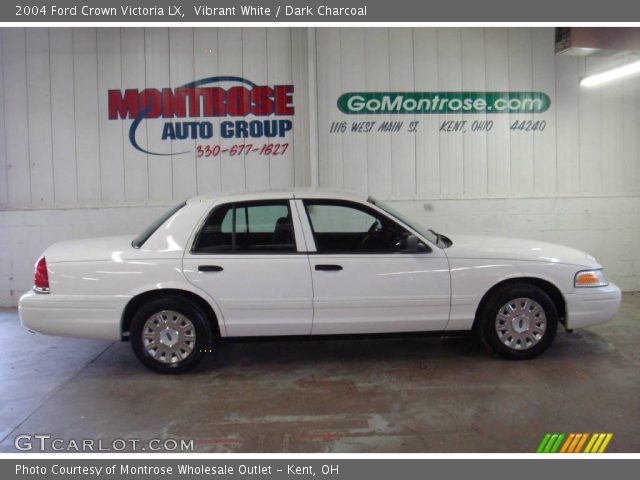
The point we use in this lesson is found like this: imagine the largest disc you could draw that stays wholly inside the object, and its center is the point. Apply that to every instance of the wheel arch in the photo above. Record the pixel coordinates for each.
(140, 299)
(545, 285)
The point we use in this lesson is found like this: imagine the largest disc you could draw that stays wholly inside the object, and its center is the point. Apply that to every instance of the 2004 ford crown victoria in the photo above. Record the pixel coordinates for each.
(308, 263)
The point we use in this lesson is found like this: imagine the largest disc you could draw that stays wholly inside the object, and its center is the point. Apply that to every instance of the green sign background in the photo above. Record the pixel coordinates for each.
(376, 103)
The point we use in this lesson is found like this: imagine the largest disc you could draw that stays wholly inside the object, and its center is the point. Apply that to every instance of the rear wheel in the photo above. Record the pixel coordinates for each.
(170, 334)
(519, 321)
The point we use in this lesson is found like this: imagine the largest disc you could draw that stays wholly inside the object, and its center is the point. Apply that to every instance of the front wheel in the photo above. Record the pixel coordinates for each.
(170, 334)
(519, 321)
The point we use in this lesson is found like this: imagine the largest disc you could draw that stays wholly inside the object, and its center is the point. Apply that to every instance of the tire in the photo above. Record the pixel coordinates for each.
(170, 334)
(518, 321)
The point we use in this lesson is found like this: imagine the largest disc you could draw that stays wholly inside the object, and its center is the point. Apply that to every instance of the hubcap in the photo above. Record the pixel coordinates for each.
(521, 323)
(168, 336)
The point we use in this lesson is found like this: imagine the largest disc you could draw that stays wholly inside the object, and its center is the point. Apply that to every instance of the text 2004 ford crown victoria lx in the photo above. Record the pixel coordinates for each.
(308, 263)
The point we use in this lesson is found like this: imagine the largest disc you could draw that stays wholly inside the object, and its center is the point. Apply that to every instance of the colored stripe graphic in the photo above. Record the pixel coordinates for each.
(550, 443)
(581, 442)
(598, 443)
(543, 443)
(556, 445)
(574, 443)
(604, 445)
(565, 447)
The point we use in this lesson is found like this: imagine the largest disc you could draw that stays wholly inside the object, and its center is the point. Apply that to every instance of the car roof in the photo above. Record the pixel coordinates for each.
(248, 195)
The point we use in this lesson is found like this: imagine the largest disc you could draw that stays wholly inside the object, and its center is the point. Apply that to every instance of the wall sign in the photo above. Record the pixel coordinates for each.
(187, 107)
(441, 103)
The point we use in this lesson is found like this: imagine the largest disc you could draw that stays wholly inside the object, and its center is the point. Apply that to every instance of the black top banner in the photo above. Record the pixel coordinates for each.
(383, 11)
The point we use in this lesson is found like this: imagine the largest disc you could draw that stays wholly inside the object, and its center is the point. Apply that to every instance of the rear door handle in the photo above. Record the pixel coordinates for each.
(329, 268)
(210, 268)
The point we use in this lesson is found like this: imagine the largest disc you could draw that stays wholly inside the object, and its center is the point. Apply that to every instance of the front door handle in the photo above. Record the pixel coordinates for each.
(329, 268)
(210, 268)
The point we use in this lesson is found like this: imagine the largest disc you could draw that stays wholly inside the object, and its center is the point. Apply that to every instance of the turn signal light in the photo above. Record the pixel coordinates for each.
(41, 277)
(590, 278)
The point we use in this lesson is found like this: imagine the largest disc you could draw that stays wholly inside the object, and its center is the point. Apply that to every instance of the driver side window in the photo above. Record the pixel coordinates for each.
(342, 227)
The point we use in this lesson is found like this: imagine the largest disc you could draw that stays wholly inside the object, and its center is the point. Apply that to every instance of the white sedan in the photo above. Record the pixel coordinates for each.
(308, 263)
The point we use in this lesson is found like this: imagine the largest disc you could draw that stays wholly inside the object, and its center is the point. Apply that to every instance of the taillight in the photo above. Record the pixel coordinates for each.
(41, 277)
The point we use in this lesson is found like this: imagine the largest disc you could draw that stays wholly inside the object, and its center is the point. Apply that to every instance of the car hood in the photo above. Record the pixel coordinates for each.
(503, 248)
(91, 249)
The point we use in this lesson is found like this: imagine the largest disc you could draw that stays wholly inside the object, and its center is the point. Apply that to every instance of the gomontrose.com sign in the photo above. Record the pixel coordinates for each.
(443, 102)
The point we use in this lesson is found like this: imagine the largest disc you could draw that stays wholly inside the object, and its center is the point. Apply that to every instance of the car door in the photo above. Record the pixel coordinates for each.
(249, 257)
(365, 280)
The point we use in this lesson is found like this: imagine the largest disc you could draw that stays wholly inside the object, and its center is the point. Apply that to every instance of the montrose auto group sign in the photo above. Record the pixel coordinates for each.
(188, 111)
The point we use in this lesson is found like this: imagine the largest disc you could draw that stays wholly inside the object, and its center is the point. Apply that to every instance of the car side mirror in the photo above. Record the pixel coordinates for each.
(414, 245)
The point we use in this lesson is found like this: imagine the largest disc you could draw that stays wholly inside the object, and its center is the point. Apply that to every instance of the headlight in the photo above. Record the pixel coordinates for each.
(590, 278)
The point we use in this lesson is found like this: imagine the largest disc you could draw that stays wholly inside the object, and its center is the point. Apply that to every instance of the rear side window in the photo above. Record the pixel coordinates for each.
(249, 227)
(147, 232)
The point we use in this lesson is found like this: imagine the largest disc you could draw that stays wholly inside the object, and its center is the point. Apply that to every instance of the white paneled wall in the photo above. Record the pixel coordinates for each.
(67, 171)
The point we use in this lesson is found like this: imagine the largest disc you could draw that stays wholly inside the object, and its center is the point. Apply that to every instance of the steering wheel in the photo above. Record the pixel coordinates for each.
(373, 229)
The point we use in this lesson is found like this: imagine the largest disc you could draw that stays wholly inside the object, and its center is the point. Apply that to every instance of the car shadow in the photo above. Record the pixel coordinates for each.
(269, 355)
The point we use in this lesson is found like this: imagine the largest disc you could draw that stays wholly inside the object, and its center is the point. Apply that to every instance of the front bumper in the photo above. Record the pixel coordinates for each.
(83, 316)
(592, 306)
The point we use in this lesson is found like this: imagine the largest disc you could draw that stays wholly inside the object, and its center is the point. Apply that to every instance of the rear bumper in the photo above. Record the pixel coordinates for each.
(82, 316)
(592, 306)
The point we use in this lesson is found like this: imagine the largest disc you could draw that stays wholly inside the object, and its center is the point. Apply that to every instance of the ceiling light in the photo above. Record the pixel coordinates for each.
(609, 75)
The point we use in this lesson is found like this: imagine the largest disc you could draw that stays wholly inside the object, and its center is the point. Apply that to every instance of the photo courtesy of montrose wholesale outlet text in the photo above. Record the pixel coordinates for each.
(319, 240)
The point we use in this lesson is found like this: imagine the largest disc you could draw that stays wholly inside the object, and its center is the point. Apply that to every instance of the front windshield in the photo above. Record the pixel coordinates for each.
(147, 232)
(425, 232)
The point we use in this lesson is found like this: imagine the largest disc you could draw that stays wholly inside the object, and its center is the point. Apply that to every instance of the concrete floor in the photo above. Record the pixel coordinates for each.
(383, 395)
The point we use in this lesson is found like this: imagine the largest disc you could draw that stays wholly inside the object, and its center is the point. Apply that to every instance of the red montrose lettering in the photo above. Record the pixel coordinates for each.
(201, 102)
